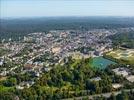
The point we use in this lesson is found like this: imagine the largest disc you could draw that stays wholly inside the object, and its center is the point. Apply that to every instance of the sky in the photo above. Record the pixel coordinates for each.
(45, 8)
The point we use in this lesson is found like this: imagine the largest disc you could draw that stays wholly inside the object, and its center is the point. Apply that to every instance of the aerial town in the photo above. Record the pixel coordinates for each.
(66, 49)
(40, 52)
(55, 46)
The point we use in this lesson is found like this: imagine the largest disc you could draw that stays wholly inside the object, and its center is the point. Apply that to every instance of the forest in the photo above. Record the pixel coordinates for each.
(124, 39)
(14, 28)
(67, 81)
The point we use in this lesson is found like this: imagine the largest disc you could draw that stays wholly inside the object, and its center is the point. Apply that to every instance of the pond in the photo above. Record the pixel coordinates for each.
(101, 63)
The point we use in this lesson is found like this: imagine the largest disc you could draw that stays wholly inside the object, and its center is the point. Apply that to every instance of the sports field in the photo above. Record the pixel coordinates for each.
(122, 54)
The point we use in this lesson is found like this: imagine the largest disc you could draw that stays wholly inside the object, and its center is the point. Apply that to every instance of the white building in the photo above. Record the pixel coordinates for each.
(130, 78)
(95, 79)
(116, 85)
(121, 71)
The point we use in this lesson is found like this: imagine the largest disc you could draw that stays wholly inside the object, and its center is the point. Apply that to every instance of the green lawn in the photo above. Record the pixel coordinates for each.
(4, 89)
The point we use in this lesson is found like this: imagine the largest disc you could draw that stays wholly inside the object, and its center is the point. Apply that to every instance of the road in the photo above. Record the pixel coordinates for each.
(39, 54)
(103, 94)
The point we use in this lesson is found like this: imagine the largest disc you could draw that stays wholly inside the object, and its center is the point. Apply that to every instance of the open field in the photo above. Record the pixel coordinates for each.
(126, 55)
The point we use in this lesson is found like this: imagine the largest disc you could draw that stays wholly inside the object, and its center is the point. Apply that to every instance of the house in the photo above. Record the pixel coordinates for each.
(130, 78)
(19, 87)
(116, 85)
(95, 79)
(121, 71)
(28, 66)
(98, 53)
(47, 69)
(125, 72)
(3, 73)
(1, 62)
(26, 84)
(37, 74)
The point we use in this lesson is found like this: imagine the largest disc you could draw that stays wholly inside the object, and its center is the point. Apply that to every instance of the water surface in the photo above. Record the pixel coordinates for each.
(100, 62)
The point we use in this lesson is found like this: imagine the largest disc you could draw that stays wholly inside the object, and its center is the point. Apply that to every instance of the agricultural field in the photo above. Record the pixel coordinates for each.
(126, 55)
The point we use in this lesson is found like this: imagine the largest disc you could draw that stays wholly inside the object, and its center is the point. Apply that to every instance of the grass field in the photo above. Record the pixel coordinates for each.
(122, 54)
(4, 89)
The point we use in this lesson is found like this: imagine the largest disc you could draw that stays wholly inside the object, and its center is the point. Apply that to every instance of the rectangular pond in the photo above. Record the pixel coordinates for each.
(101, 62)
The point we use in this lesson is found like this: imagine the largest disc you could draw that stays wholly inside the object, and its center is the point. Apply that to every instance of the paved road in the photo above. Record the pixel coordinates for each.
(39, 54)
(103, 94)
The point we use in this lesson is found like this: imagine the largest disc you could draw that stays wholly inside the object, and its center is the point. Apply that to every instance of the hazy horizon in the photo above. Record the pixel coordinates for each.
(66, 8)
